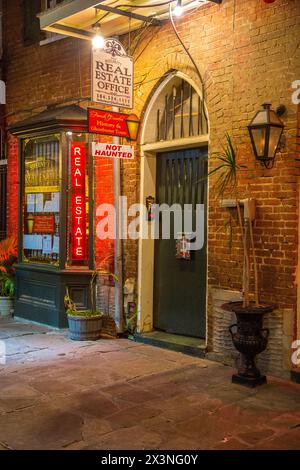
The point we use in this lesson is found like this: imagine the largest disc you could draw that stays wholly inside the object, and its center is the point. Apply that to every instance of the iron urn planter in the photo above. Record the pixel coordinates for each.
(249, 338)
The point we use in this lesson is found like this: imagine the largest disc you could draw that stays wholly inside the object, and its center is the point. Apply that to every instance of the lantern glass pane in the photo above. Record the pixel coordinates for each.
(133, 127)
(274, 119)
(275, 133)
(260, 118)
(259, 137)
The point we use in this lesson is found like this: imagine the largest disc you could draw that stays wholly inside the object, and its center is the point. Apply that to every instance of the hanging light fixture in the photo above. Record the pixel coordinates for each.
(265, 131)
(98, 40)
(178, 9)
(133, 125)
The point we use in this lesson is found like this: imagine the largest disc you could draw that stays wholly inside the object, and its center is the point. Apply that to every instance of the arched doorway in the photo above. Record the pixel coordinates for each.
(174, 143)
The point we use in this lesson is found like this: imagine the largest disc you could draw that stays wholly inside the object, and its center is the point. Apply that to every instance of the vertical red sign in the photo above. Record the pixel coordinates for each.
(78, 203)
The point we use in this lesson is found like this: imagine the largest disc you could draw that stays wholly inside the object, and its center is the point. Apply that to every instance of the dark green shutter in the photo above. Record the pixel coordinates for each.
(32, 31)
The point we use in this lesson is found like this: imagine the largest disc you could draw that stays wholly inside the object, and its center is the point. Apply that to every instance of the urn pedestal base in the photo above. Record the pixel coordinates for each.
(249, 381)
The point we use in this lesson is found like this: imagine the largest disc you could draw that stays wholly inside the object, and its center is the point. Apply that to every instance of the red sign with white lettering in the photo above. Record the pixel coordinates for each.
(44, 224)
(107, 123)
(78, 203)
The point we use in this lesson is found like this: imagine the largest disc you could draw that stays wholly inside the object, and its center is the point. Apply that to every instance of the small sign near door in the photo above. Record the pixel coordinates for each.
(123, 152)
(183, 246)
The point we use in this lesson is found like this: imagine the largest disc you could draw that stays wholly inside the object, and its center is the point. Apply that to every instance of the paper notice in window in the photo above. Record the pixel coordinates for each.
(30, 203)
(39, 202)
(55, 248)
(47, 244)
(27, 242)
(37, 242)
(55, 202)
(32, 242)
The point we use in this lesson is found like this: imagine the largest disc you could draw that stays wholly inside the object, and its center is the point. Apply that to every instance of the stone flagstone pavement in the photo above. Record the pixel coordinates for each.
(117, 394)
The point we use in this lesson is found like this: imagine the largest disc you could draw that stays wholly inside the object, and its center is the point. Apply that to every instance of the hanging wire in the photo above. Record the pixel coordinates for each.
(79, 69)
(192, 60)
(142, 35)
(129, 36)
(186, 49)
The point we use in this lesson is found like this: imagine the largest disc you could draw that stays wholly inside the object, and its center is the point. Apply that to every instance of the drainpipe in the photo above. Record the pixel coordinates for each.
(119, 318)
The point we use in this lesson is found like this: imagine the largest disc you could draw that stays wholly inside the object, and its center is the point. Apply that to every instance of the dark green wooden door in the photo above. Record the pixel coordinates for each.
(180, 285)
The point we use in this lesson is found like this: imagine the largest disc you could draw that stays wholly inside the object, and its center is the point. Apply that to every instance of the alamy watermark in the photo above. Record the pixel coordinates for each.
(296, 354)
(166, 222)
(296, 93)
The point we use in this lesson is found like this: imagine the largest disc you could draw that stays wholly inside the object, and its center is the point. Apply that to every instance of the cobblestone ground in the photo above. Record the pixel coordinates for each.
(117, 394)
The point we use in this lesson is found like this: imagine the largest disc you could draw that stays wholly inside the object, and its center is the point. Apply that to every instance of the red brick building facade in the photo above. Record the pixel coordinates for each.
(248, 53)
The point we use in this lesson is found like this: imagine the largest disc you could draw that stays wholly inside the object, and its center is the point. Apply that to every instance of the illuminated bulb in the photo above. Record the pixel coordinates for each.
(178, 9)
(98, 40)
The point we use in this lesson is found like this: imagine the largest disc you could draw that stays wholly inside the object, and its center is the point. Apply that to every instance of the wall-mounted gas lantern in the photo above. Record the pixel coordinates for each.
(265, 131)
(133, 126)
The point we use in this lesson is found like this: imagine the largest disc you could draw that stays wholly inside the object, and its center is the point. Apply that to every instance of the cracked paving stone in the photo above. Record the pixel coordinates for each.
(179, 443)
(256, 436)
(40, 427)
(130, 416)
(230, 444)
(133, 438)
(287, 441)
(89, 403)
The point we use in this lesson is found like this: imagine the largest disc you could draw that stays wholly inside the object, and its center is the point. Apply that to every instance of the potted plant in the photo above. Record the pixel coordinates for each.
(248, 336)
(8, 256)
(85, 325)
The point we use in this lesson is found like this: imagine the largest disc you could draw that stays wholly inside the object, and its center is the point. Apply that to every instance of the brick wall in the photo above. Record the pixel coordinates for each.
(248, 53)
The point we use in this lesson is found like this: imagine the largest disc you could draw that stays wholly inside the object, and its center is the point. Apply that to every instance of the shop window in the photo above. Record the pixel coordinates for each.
(42, 200)
(48, 35)
(32, 31)
(42, 196)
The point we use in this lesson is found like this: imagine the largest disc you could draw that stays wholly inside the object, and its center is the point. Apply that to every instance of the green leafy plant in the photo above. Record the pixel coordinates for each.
(131, 323)
(8, 257)
(227, 168)
(226, 171)
(70, 305)
(84, 313)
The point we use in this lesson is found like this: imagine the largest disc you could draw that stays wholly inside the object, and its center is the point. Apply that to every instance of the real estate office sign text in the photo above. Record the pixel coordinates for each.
(112, 75)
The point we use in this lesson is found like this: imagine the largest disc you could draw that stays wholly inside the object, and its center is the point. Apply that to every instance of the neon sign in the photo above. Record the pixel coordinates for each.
(78, 203)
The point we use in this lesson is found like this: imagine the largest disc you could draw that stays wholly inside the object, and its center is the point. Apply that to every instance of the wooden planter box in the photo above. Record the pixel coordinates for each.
(84, 328)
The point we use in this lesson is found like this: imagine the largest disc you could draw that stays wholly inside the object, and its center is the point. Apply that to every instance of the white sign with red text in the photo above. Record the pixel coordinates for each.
(124, 152)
